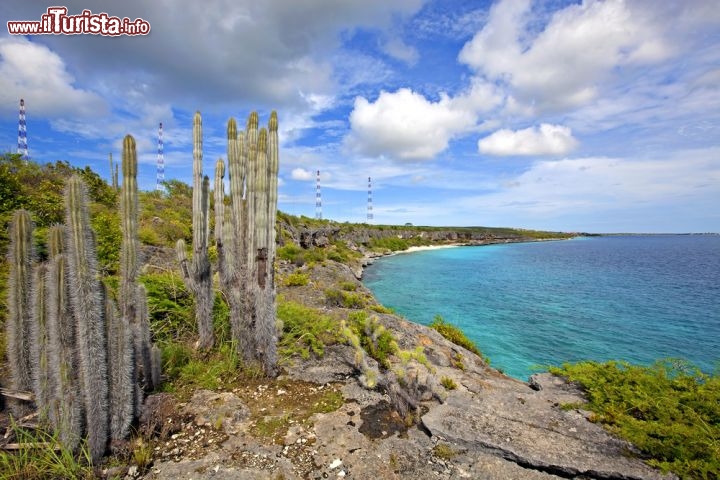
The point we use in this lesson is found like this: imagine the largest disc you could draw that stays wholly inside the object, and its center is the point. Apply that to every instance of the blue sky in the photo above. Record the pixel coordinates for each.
(597, 116)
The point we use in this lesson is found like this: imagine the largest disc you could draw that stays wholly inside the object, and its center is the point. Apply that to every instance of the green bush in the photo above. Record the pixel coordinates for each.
(670, 411)
(393, 244)
(171, 307)
(454, 334)
(305, 330)
(448, 383)
(375, 339)
(289, 252)
(340, 298)
(348, 286)
(296, 279)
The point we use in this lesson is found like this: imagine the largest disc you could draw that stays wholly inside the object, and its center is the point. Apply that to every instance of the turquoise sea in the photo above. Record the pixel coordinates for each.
(633, 298)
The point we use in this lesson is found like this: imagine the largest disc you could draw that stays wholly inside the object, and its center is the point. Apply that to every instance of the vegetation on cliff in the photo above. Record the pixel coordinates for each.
(670, 411)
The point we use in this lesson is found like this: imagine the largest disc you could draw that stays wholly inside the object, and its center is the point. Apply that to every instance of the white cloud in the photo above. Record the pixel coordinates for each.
(618, 194)
(405, 125)
(564, 64)
(399, 50)
(39, 76)
(546, 140)
(302, 175)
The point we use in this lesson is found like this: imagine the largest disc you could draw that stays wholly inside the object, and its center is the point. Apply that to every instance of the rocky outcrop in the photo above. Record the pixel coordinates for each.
(490, 426)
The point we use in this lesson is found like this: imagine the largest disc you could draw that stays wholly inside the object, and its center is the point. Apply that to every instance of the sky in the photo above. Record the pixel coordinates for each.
(592, 116)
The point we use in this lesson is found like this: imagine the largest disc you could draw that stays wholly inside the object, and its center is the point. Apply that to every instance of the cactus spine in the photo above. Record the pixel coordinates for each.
(19, 319)
(70, 344)
(87, 306)
(42, 380)
(66, 406)
(197, 275)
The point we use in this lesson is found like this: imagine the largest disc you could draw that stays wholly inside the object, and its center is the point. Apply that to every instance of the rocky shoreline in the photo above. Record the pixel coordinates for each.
(489, 426)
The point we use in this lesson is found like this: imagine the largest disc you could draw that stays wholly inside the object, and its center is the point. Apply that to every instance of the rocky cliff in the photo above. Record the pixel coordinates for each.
(483, 425)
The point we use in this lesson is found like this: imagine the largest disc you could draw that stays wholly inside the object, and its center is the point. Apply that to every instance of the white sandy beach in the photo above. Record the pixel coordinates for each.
(430, 247)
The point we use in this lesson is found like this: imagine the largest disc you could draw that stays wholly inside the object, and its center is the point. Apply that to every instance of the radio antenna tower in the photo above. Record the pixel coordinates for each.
(160, 160)
(369, 206)
(318, 198)
(22, 132)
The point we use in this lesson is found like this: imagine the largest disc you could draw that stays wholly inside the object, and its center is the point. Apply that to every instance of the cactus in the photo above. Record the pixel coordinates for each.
(66, 404)
(197, 275)
(87, 307)
(129, 225)
(143, 343)
(19, 319)
(121, 372)
(42, 379)
(156, 365)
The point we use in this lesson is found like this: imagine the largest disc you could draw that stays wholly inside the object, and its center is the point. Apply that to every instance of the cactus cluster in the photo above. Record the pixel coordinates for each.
(244, 237)
(85, 359)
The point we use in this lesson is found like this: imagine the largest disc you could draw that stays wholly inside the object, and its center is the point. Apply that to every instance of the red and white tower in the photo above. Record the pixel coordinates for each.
(22, 132)
(160, 160)
(318, 198)
(369, 205)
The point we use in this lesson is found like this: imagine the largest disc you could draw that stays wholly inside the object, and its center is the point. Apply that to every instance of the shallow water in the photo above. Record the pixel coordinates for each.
(634, 298)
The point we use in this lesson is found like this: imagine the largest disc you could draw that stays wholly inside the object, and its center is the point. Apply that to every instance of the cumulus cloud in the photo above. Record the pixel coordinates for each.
(208, 54)
(405, 125)
(39, 76)
(302, 174)
(564, 63)
(546, 140)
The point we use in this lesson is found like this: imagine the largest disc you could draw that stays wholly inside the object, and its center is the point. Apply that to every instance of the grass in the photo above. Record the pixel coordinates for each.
(375, 339)
(345, 299)
(670, 411)
(188, 370)
(448, 383)
(44, 461)
(305, 330)
(454, 334)
(444, 451)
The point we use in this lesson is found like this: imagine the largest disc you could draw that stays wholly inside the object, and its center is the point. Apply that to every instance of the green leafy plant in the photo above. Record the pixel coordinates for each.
(375, 339)
(670, 410)
(454, 334)
(296, 279)
(305, 330)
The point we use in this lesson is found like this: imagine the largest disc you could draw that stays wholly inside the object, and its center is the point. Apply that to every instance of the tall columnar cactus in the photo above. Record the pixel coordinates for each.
(129, 260)
(197, 275)
(143, 343)
(88, 309)
(42, 379)
(66, 405)
(121, 372)
(128, 321)
(19, 321)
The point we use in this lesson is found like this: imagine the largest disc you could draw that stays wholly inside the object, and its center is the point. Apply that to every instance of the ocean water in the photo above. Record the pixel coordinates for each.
(529, 305)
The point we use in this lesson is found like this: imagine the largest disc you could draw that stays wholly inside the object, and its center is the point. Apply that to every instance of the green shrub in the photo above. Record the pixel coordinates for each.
(296, 279)
(289, 252)
(670, 411)
(171, 306)
(393, 244)
(454, 334)
(375, 339)
(339, 298)
(448, 383)
(348, 286)
(381, 309)
(305, 330)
